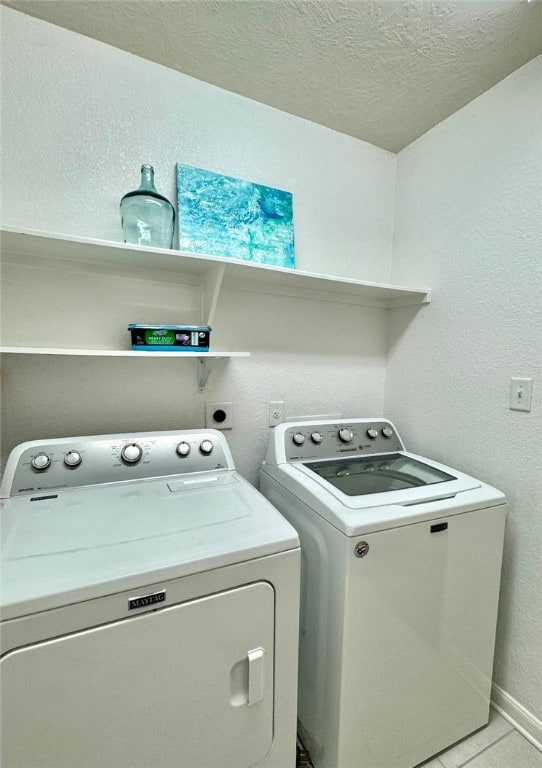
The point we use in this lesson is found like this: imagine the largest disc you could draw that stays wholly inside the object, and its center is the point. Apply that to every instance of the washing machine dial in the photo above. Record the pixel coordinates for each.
(41, 461)
(298, 438)
(131, 453)
(73, 459)
(345, 435)
(372, 433)
(206, 447)
(183, 449)
(316, 437)
(387, 432)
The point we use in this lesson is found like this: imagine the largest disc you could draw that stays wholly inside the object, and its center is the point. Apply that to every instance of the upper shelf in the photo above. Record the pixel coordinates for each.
(241, 274)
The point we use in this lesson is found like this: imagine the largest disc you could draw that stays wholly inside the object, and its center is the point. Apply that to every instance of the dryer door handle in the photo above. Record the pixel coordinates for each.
(256, 676)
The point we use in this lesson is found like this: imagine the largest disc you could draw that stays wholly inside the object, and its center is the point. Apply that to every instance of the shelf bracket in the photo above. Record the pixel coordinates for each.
(211, 287)
(205, 366)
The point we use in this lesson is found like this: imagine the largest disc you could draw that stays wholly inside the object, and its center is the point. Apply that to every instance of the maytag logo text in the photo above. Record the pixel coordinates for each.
(145, 600)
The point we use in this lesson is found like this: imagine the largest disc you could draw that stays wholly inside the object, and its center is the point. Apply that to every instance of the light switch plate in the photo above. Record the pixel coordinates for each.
(521, 391)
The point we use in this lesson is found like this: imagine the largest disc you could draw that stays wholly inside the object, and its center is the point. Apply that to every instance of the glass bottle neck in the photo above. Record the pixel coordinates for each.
(147, 179)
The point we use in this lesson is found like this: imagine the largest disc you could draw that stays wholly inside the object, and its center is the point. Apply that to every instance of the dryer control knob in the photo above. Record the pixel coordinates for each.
(73, 459)
(345, 435)
(41, 461)
(372, 433)
(316, 437)
(183, 449)
(298, 438)
(131, 453)
(387, 432)
(206, 447)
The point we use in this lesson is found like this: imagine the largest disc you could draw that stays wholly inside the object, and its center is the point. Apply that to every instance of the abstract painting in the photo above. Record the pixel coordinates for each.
(224, 216)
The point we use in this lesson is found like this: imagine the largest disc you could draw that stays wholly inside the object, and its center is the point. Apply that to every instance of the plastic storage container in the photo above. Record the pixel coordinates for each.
(170, 338)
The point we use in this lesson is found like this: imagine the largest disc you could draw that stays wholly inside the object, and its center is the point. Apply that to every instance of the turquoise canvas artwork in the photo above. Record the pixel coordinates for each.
(223, 216)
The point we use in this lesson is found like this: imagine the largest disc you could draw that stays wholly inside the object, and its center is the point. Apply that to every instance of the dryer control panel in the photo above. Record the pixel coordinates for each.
(72, 462)
(305, 440)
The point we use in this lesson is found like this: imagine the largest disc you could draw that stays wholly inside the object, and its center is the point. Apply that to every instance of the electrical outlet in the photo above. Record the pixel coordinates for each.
(276, 412)
(219, 415)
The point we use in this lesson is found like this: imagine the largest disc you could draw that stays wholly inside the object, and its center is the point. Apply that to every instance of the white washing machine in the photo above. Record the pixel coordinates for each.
(401, 561)
(149, 608)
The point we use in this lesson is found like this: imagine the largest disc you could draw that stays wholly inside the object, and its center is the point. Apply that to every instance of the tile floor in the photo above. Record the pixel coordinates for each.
(498, 745)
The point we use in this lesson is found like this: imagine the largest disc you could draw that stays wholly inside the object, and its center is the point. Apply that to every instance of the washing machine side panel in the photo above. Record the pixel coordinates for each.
(204, 670)
(322, 613)
(419, 637)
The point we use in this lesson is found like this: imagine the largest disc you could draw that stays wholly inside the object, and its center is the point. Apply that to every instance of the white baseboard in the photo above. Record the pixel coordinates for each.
(523, 720)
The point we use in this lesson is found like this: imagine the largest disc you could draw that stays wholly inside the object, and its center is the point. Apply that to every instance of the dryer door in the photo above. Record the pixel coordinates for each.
(190, 686)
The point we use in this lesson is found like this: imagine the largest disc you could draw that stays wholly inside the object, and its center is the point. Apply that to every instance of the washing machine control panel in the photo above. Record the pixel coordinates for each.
(41, 466)
(327, 440)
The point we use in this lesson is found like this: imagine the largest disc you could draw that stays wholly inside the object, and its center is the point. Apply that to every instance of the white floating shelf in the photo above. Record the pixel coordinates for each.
(117, 353)
(211, 271)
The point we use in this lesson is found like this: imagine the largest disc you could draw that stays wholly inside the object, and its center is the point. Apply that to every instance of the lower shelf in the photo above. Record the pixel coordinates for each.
(207, 360)
(113, 352)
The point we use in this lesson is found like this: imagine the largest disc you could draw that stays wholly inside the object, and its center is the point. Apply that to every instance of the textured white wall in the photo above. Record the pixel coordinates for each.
(78, 118)
(469, 224)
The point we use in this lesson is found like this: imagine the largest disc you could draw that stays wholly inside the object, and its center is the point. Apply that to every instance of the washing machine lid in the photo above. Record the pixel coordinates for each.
(402, 478)
(364, 475)
(83, 543)
(370, 493)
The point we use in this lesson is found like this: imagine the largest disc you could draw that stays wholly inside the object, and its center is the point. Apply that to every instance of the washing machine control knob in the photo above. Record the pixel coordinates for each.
(206, 447)
(387, 432)
(316, 437)
(183, 449)
(298, 438)
(73, 459)
(372, 433)
(41, 461)
(345, 435)
(131, 453)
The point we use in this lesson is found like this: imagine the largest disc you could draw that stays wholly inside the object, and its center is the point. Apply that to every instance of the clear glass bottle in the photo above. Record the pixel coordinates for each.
(148, 218)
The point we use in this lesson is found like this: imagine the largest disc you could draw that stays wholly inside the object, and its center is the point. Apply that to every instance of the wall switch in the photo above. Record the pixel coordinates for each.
(219, 415)
(520, 394)
(276, 412)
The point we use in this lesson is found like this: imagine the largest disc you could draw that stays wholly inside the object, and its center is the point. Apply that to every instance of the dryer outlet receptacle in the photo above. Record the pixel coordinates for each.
(219, 415)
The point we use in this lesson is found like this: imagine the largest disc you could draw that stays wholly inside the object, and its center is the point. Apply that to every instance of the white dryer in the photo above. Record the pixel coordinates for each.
(149, 607)
(401, 561)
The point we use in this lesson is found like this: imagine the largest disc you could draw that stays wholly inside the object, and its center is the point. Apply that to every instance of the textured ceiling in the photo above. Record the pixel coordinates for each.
(384, 71)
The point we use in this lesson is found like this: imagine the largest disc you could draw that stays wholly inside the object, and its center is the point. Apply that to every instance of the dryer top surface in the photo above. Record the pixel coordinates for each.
(62, 545)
